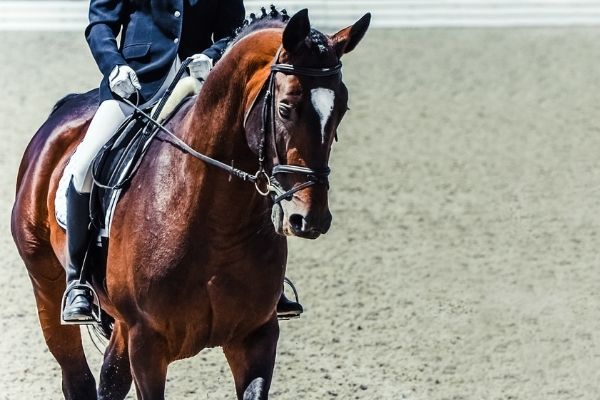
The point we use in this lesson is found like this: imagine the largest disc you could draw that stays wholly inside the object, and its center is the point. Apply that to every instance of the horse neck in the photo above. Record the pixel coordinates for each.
(214, 126)
(215, 123)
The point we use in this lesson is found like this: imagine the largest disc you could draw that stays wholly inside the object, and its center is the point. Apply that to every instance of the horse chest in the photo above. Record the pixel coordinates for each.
(228, 291)
(243, 292)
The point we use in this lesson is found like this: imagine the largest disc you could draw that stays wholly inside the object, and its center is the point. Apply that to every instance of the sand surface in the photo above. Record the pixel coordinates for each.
(463, 258)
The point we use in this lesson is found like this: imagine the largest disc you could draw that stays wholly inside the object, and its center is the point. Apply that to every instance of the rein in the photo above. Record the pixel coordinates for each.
(264, 183)
(183, 146)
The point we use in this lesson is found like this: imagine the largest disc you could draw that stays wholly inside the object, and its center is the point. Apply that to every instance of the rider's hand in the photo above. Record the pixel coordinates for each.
(200, 66)
(123, 81)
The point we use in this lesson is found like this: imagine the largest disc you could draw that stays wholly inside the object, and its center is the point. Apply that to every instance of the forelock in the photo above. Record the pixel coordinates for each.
(317, 42)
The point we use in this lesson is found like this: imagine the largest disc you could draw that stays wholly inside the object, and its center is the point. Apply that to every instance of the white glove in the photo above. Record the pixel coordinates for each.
(200, 66)
(123, 81)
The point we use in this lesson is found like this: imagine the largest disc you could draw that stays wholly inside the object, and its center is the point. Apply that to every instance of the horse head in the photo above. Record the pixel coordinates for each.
(304, 101)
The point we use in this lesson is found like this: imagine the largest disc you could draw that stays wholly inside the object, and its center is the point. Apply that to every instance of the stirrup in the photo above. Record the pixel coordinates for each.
(297, 300)
(95, 304)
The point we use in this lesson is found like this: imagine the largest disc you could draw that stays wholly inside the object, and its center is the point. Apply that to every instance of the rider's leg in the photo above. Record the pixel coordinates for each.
(108, 118)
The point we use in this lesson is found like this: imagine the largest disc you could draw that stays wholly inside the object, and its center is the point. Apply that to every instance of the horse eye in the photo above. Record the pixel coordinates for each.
(285, 111)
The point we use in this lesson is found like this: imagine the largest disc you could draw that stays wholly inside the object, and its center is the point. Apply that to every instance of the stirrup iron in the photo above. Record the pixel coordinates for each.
(95, 304)
(296, 299)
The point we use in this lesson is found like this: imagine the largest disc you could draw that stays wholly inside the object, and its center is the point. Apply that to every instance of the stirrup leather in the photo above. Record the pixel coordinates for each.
(95, 304)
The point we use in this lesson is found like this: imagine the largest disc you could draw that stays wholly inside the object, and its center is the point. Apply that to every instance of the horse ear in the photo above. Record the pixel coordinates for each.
(296, 30)
(348, 38)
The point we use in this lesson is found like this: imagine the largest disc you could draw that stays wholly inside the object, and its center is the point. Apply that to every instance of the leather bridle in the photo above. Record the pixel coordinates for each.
(265, 184)
(270, 184)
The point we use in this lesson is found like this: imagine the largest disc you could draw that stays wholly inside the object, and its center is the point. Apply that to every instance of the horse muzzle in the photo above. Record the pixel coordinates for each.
(292, 221)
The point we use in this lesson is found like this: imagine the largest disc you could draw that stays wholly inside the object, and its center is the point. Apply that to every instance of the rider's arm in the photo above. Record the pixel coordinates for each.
(231, 16)
(106, 20)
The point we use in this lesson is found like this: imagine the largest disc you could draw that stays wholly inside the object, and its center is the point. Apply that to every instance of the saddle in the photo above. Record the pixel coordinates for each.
(117, 162)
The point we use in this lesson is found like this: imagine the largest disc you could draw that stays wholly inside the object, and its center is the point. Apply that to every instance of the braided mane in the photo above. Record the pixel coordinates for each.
(272, 19)
(317, 42)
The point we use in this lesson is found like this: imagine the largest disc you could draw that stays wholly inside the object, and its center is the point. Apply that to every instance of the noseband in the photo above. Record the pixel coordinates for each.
(264, 183)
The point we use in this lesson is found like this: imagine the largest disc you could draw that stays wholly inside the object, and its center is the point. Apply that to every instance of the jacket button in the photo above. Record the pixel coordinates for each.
(176, 40)
(177, 14)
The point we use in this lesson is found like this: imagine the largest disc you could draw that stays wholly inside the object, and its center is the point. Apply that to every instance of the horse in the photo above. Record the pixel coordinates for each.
(196, 257)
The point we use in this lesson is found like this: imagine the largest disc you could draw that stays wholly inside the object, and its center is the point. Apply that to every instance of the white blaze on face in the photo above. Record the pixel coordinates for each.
(322, 100)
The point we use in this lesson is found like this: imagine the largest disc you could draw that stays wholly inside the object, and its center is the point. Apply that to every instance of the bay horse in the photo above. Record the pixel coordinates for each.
(196, 257)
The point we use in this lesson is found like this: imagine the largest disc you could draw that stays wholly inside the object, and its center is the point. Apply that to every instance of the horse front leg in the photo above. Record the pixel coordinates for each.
(115, 377)
(252, 361)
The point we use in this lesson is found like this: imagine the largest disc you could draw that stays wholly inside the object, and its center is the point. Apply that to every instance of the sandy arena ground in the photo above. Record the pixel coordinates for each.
(466, 198)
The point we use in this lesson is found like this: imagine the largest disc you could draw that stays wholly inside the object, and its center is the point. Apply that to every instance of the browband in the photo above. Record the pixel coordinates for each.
(306, 71)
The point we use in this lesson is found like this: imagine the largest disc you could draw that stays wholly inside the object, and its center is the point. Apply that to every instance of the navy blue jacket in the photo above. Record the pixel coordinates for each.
(154, 32)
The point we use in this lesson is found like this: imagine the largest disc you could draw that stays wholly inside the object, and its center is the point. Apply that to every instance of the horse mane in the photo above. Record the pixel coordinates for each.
(272, 19)
(317, 42)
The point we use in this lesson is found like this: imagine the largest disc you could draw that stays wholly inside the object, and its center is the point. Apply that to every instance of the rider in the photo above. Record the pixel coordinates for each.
(152, 44)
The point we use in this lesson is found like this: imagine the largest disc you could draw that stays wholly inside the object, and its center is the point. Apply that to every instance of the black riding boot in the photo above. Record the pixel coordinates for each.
(286, 308)
(78, 303)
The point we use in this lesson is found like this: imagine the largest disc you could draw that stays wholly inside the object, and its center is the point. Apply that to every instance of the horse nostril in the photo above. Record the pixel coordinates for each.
(296, 221)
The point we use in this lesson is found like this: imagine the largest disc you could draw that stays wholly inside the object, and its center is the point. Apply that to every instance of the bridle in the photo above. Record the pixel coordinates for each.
(270, 184)
(264, 183)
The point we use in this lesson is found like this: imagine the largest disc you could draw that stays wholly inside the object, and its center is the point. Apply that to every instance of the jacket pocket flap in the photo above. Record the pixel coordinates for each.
(136, 50)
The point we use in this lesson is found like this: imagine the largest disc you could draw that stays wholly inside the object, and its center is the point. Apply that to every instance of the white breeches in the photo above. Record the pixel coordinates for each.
(109, 116)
